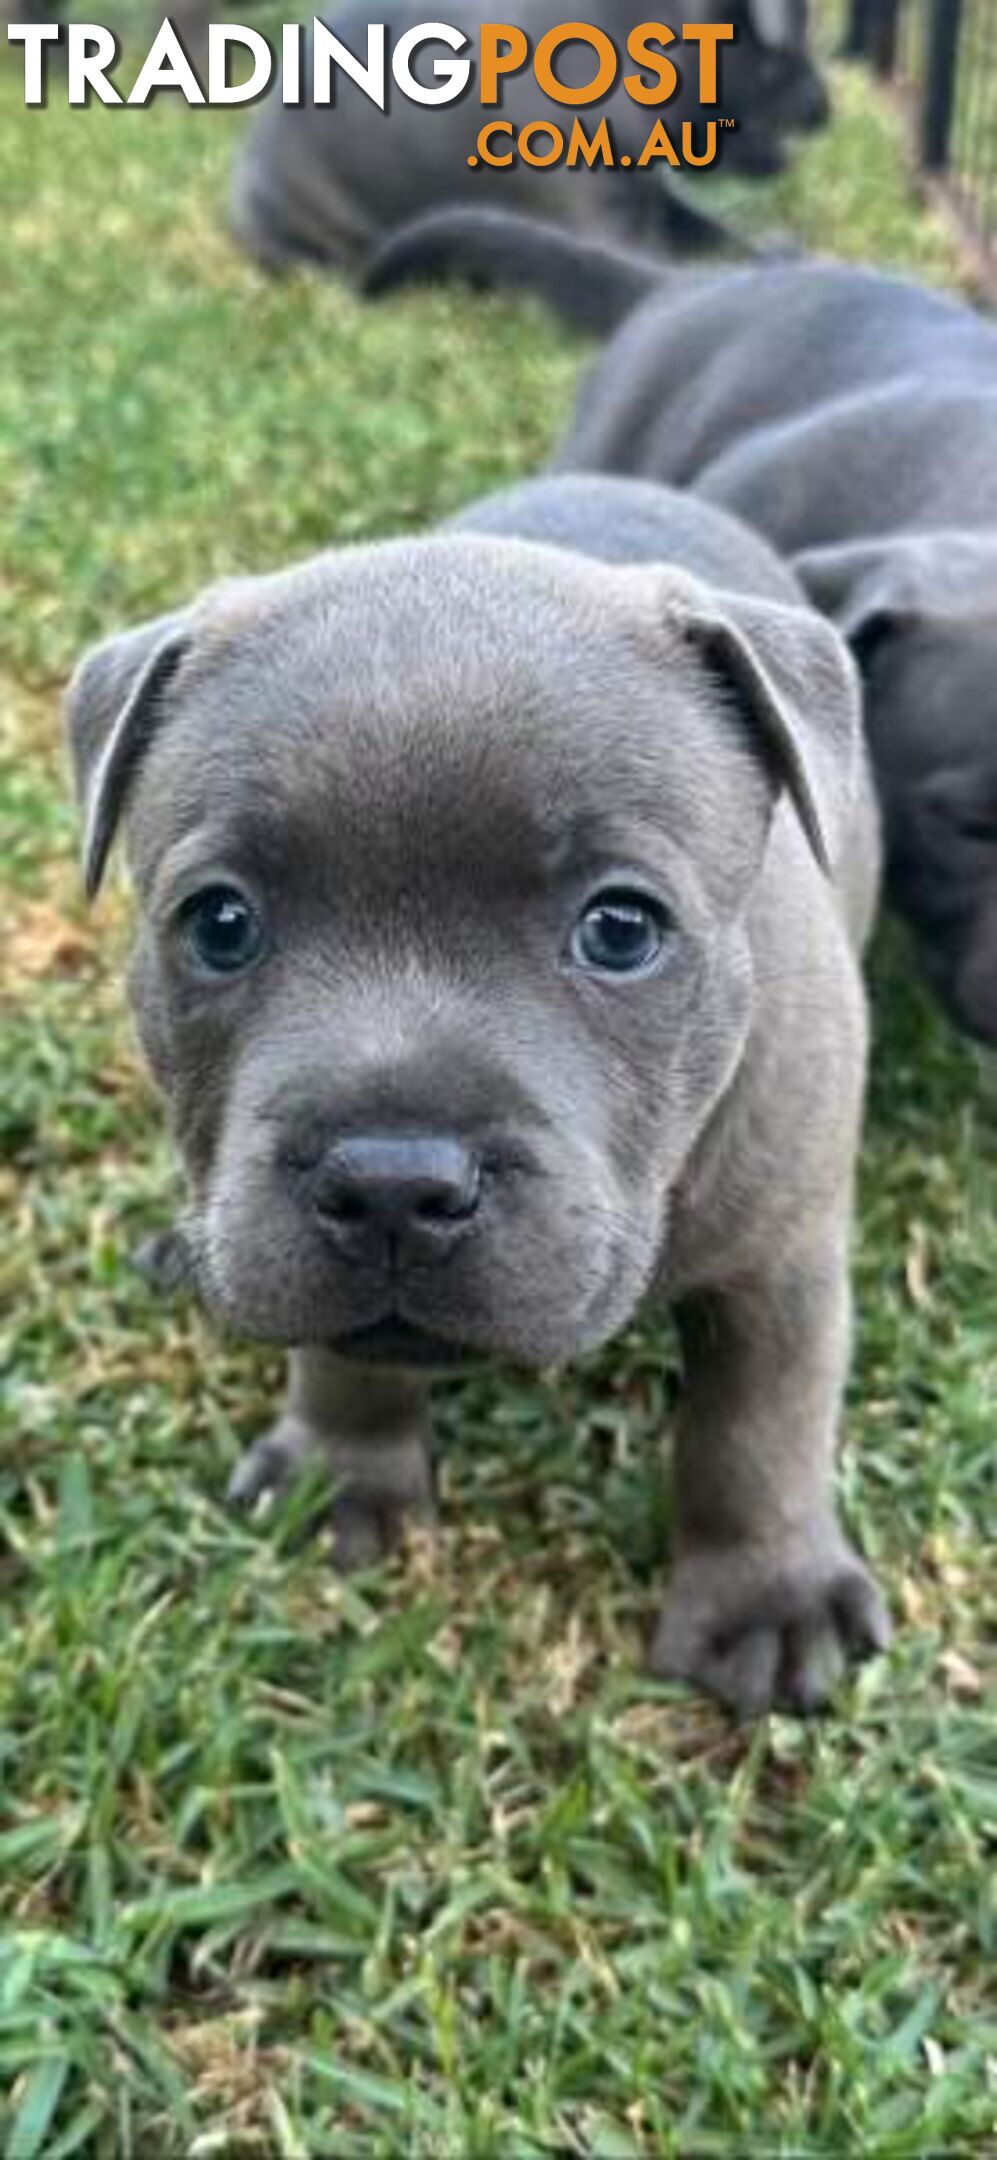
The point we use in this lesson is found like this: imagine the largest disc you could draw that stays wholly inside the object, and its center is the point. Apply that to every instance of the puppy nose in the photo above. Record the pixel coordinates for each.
(418, 1191)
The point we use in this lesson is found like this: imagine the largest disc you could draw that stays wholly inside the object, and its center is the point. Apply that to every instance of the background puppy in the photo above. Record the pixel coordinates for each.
(852, 417)
(498, 896)
(327, 183)
(773, 84)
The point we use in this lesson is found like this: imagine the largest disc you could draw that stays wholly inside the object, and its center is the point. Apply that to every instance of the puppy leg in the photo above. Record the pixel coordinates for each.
(768, 1600)
(371, 1429)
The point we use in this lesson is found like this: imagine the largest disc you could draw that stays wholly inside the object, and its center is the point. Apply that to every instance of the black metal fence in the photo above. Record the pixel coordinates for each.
(942, 54)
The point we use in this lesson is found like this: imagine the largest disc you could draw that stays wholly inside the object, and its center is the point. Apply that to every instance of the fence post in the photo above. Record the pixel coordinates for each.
(856, 35)
(882, 34)
(872, 33)
(944, 25)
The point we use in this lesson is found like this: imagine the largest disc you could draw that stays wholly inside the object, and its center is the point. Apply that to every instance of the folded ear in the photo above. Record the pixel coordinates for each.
(900, 581)
(112, 707)
(772, 23)
(794, 680)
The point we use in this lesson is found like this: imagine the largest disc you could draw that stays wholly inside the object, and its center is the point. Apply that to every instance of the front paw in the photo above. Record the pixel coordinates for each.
(382, 1487)
(763, 1631)
(367, 1529)
(272, 1464)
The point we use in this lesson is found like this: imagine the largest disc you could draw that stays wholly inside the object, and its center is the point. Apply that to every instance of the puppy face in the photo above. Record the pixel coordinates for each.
(443, 854)
(770, 82)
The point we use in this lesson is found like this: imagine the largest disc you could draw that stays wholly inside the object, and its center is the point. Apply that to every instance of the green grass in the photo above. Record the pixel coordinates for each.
(420, 1864)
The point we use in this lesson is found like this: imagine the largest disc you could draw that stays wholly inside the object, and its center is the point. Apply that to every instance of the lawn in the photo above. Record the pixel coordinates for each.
(420, 1863)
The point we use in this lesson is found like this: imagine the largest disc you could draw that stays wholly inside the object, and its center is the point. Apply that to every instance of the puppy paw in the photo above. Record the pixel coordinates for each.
(271, 1464)
(367, 1519)
(367, 1530)
(763, 1635)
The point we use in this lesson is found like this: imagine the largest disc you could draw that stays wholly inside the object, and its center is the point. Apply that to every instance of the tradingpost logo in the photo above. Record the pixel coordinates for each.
(651, 82)
(242, 63)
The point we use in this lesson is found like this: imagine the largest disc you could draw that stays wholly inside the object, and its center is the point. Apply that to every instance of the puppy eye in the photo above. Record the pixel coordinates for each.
(620, 933)
(222, 931)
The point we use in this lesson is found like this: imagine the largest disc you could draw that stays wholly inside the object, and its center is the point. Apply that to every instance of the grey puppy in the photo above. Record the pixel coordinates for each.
(499, 894)
(852, 417)
(327, 184)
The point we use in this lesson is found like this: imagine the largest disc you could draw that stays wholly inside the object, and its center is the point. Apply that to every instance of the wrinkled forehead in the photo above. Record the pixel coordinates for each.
(444, 710)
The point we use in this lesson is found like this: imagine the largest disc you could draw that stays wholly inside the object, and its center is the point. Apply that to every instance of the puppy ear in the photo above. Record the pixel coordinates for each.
(793, 676)
(772, 23)
(112, 707)
(909, 578)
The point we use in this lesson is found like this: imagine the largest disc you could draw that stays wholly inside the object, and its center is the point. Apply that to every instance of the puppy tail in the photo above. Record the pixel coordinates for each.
(590, 283)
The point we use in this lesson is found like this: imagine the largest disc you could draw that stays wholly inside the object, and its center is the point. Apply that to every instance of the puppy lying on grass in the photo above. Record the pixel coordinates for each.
(326, 184)
(500, 892)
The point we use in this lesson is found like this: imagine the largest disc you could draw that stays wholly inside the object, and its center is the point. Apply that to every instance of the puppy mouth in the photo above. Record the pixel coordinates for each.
(394, 1341)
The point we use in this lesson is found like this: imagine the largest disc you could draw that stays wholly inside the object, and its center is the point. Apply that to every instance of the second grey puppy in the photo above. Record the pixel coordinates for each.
(500, 893)
(328, 184)
(852, 416)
